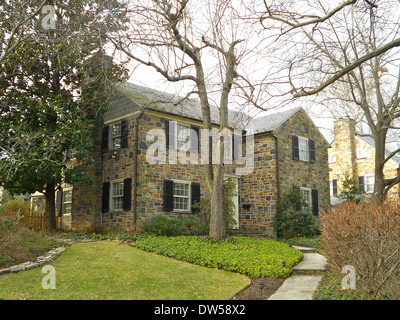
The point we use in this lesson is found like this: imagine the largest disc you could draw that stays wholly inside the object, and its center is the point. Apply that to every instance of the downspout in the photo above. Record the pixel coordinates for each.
(135, 168)
(278, 185)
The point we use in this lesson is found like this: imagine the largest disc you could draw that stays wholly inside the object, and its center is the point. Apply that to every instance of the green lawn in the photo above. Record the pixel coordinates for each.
(108, 270)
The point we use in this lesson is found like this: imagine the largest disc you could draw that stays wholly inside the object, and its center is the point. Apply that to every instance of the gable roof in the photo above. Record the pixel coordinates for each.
(270, 122)
(128, 98)
(369, 140)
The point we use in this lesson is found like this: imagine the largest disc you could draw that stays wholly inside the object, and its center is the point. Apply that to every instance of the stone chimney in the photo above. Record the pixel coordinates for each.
(345, 145)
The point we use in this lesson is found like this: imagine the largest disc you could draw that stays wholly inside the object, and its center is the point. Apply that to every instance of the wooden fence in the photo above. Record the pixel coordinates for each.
(35, 220)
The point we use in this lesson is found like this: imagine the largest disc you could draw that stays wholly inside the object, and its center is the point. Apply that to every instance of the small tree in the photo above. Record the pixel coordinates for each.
(294, 217)
(350, 190)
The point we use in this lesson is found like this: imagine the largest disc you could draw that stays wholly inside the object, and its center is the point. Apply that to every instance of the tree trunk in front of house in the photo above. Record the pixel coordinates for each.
(379, 187)
(217, 215)
(50, 213)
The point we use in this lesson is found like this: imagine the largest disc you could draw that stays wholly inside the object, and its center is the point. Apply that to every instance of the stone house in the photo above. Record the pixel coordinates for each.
(352, 154)
(130, 186)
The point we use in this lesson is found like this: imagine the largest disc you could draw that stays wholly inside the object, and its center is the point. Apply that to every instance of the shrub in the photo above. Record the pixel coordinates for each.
(255, 257)
(164, 226)
(293, 217)
(367, 237)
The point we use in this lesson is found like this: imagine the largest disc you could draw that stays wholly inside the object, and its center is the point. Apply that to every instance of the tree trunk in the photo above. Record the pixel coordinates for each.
(217, 215)
(379, 187)
(50, 213)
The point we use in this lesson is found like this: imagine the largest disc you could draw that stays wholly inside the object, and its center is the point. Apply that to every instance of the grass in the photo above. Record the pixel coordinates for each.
(108, 270)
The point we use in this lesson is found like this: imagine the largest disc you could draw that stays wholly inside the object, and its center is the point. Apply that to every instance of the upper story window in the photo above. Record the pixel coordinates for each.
(182, 137)
(303, 149)
(332, 157)
(362, 153)
(115, 136)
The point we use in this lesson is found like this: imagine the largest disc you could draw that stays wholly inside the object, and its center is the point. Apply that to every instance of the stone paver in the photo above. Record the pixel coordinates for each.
(305, 278)
(297, 287)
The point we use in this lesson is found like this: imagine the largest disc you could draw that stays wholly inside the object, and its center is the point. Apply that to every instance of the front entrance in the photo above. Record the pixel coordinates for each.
(234, 180)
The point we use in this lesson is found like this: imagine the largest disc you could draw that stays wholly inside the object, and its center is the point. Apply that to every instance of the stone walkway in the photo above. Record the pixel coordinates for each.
(305, 278)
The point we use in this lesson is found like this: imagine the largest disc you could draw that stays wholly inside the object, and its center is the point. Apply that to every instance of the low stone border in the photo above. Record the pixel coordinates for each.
(41, 260)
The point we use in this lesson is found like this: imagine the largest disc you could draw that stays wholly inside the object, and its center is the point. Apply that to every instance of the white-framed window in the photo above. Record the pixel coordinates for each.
(303, 149)
(332, 157)
(307, 195)
(67, 201)
(117, 195)
(115, 136)
(182, 137)
(362, 154)
(333, 187)
(181, 195)
(369, 182)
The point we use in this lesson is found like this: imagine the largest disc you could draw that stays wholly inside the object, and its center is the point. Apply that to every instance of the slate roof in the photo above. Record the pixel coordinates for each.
(371, 142)
(129, 97)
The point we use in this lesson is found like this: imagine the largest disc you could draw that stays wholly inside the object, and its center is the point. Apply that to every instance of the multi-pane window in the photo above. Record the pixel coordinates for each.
(306, 195)
(182, 196)
(333, 187)
(369, 183)
(67, 201)
(303, 149)
(115, 136)
(117, 195)
(182, 137)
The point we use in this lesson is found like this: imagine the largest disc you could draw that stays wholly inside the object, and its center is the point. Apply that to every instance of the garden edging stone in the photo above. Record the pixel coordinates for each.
(40, 261)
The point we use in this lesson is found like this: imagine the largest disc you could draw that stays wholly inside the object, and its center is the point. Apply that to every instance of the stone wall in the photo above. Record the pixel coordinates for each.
(301, 173)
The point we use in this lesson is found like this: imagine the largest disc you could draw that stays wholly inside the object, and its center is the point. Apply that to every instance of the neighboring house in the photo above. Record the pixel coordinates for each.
(288, 150)
(353, 154)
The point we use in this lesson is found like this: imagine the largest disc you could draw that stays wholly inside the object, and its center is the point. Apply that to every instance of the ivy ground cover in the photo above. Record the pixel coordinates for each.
(255, 257)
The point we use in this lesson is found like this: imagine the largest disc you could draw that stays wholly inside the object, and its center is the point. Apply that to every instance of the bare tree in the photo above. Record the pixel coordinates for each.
(200, 44)
(352, 47)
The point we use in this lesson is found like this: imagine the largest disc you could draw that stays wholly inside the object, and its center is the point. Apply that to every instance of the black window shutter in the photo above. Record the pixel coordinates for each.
(59, 201)
(104, 139)
(127, 200)
(314, 198)
(195, 194)
(124, 133)
(105, 201)
(194, 139)
(334, 187)
(361, 184)
(299, 197)
(170, 128)
(168, 195)
(295, 147)
(311, 146)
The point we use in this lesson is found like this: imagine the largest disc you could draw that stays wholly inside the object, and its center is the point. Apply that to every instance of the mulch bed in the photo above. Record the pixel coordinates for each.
(253, 292)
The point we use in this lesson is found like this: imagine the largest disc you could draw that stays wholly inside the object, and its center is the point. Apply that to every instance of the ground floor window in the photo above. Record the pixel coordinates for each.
(67, 201)
(181, 196)
(117, 195)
